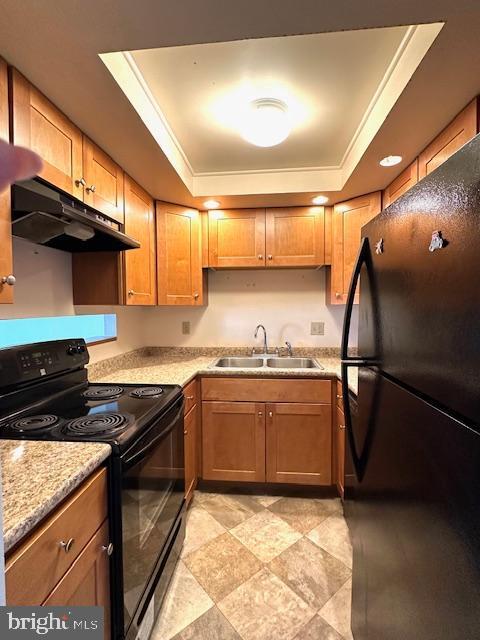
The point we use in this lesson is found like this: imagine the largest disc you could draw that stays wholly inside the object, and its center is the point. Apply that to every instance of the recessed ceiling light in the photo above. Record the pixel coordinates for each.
(390, 161)
(266, 122)
(211, 204)
(320, 200)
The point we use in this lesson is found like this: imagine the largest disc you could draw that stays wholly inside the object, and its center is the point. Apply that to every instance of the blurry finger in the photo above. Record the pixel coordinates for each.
(17, 163)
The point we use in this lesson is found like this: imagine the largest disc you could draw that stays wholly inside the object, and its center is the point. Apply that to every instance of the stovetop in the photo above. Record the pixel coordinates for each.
(112, 413)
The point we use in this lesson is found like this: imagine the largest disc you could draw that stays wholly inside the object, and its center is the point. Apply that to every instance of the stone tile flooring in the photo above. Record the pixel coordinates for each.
(260, 568)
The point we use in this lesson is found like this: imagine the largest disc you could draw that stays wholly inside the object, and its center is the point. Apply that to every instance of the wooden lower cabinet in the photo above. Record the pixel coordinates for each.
(340, 451)
(299, 443)
(87, 581)
(233, 441)
(190, 442)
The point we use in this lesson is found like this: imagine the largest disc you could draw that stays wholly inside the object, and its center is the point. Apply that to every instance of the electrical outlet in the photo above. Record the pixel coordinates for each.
(317, 329)
(186, 328)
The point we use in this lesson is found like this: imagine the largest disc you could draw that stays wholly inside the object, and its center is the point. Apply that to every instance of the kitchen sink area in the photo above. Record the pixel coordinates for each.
(267, 361)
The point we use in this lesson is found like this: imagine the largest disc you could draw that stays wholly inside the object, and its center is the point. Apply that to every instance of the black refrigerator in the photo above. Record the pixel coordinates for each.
(413, 491)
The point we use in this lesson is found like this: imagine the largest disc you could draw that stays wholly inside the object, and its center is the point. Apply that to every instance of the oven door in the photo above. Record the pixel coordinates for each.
(153, 488)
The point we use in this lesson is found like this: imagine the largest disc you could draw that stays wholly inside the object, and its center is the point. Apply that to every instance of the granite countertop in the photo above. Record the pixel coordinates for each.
(37, 476)
(180, 366)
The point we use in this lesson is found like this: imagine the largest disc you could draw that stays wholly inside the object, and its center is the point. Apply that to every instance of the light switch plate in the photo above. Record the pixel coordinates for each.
(186, 327)
(317, 329)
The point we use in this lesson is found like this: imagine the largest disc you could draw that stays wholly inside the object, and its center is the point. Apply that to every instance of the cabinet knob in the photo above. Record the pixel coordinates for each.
(132, 292)
(338, 295)
(339, 396)
(260, 414)
(196, 296)
(66, 546)
(341, 426)
(81, 182)
(10, 280)
(92, 188)
(260, 256)
(108, 549)
(185, 433)
(270, 257)
(270, 414)
(189, 397)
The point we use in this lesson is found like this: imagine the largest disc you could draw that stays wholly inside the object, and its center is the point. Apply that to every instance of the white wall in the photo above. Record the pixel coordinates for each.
(44, 288)
(286, 301)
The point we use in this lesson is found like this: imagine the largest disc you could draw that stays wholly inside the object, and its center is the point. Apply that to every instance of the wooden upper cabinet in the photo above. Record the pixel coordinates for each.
(295, 237)
(179, 256)
(402, 183)
(39, 125)
(462, 129)
(236, 238)
(140, 264)
(347, 222)
(233, 441)
(104, 181)
(6, 259)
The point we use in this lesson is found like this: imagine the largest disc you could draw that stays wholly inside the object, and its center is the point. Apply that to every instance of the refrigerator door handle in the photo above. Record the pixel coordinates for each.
(361, 259)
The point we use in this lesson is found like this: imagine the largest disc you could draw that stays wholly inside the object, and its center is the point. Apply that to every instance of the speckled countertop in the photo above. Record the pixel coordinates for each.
(37, 476)
(179, 366)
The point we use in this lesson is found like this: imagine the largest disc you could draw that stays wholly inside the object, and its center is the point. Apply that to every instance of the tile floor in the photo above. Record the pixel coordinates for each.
(260, 568)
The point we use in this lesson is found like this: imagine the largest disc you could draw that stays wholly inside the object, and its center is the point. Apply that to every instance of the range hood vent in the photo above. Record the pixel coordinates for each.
(49, 217)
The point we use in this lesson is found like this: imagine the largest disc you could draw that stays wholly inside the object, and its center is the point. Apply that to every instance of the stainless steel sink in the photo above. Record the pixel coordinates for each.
(293, 363)
(239, 363)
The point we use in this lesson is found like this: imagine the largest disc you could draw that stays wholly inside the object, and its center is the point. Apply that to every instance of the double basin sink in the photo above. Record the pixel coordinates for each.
(267, 361)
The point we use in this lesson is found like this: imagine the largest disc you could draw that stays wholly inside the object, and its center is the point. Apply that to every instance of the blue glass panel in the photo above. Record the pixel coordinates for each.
(27, 330)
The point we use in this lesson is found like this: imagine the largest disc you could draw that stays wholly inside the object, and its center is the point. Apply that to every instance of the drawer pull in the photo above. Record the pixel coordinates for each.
(108, 549)
(190, 397)
(67, 545)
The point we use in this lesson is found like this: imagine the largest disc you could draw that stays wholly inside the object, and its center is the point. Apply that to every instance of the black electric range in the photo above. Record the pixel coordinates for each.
(45, 395)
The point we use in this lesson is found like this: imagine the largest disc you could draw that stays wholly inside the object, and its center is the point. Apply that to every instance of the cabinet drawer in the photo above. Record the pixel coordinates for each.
(266, 390)
(38, 565)
(191, 395)
(339, 395)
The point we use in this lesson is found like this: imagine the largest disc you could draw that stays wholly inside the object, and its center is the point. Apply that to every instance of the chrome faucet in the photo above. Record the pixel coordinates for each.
(265, 345)
(289, 349)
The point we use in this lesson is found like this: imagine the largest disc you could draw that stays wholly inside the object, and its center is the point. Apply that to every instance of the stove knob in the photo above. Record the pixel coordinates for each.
(79, 349)
(71, 350)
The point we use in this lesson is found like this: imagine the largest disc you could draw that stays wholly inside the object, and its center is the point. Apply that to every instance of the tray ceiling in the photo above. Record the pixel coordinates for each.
(339, 88)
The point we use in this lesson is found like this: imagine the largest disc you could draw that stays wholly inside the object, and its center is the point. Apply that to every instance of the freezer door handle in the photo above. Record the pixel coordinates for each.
(361, 259)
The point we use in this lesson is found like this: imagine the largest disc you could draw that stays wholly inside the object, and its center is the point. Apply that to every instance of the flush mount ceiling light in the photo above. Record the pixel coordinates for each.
(320, 200)
(266, 122)
(211, 204)
(390, 161)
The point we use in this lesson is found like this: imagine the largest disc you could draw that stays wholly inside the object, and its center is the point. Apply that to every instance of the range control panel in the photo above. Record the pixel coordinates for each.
(34, 361)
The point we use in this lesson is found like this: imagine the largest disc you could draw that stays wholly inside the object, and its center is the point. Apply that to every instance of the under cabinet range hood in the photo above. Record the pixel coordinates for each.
(52, 218)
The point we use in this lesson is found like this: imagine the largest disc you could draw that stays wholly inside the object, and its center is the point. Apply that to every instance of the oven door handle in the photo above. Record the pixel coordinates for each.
(135, 457)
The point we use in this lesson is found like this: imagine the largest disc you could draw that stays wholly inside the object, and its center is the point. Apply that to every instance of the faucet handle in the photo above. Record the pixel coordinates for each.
(289, 348)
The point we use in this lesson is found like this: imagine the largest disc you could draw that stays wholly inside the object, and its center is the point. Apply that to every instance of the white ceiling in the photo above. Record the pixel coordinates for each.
(338, 87)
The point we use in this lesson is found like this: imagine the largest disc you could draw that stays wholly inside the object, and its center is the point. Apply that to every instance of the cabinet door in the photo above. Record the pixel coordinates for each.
(462, 129)
(233, 441)
(39, 125)
(295, 237)
(402, 183)
(87, 582)
(236, 238)
(6, 260)
(140, 264)
(191, 467)
(179, 256)
(299, 443)
(340, 451)
(104, 181)
(348, 220)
